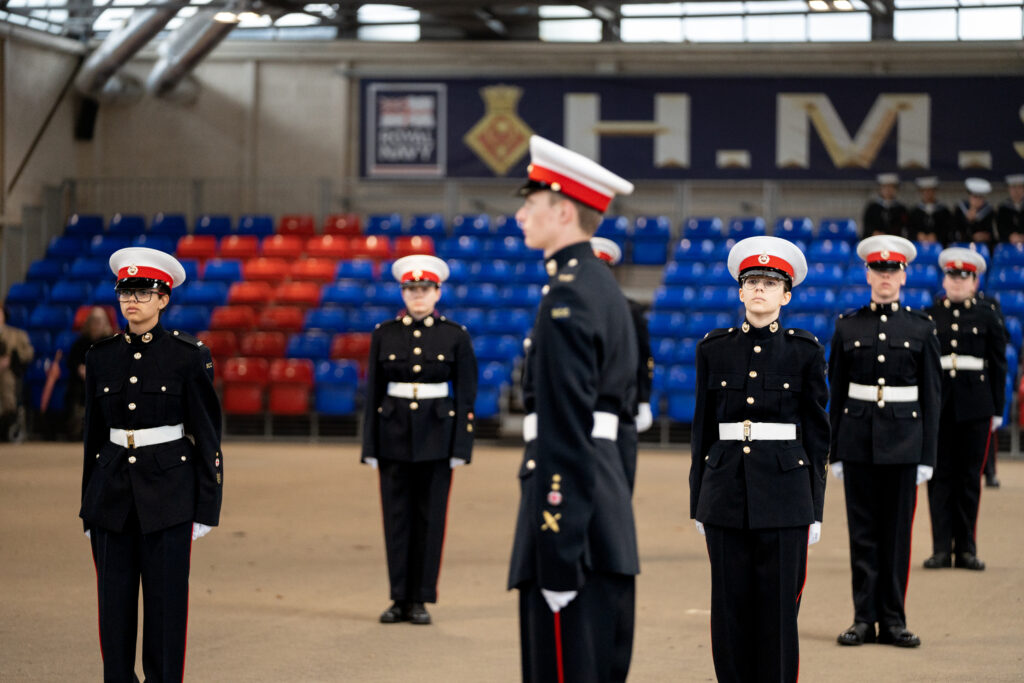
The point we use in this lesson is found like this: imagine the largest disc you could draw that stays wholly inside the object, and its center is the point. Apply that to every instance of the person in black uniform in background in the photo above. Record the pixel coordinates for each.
(151, 482)
(991, 455)
(609, 252)
(885, 214)
(974, 220)
(884, 380)
(574, 555)
(418, 427)
(1010, 216)
(930, 220)
(759, 455)
(973, 347)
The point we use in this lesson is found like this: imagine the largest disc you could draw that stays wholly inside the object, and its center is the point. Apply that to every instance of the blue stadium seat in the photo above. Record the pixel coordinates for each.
(520, 296)
(71, 292)
(336, 385)
(488, 402)
(260, 225)
(1012, 303)
(829, 251)
(1015, 329)
(650, 238)
(191, 319)
(686, 351)
(681, 406)
(42, 342)
(429, 224)
(916, 298)
(102, 246)
(476, 224)
(364, 319)
(31, 293)
(794, 228)
(483, 295)
(812, 300)
(681, 378)
(741, 227)
(202, 293)
(67, 247)
(474, 319)
(923, 275)
(217, 225)
(663, 349)
(51, 317)
(65, 339)
(979, 247)
(1009, 255)
(615, 228)
(501, 348)
(331, 319)
(687, 250)
(384, 294)
(84, 225)
(360, 270)
(103, 294)
(530, 272)
(130, 224)
(388, 224)
(927, 252)
(515, 321)
(315, 345)
(18, 315)
(497, 272)
(86, 268)
(825, 275)
(344, 293)
(1007, 277)
(223, 270)
(465, 248)
(169, 225)
(47, 270)
(507, 226)
(842, 229)
(856, 276)
(818, 324)
(670, 297)
(458, 272)
(165, 243)
(191, 268)
(35, 380)
(703, 228)
(494, 374)
(684, 273)
(510, 249)
(696, 325)
(666, 323)
(718, 275)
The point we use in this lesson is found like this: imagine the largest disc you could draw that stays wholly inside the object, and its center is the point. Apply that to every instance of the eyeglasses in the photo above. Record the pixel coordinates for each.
(768, 284)
(143, 296)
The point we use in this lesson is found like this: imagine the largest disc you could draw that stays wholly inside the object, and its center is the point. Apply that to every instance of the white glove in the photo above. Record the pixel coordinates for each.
(997, 422)
(837, 470)
(88, 534)
(644, 418)
(199, 530)
(700, 527)
(456, 462)
(558, 599)
(814, 533)
(924, 473)
(372, 462)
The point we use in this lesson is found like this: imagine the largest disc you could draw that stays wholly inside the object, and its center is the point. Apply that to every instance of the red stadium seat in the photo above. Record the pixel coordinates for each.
(282, 246)
(239, 318)
(372, 247)
(417, 244)
(266, 269)
(296, 224)
(343, 224)
(263, 344)
(328, 246)
(223, 344)
(83, 312)
(353, 345)
(313, 270)
(251, 293)
(283, 318)
(240, 247)
(244, 382)
(199, 247)
(305, 294)
(291, 383)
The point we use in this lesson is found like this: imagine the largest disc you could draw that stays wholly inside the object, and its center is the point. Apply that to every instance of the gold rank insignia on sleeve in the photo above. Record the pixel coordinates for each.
(550, 521)
(562, 312)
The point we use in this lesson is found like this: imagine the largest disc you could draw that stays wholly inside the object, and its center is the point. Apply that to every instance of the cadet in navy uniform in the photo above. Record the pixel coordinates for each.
(151, 482)
(421, 386)
(973, 346)
(574, 555)
(974, 220)
(1010, 216)
(609, 252)
(884, 380)
(930, 220)
(885, 214)
(757, 479)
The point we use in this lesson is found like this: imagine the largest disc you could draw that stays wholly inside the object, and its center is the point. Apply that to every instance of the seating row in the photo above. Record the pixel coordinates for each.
(176, 225)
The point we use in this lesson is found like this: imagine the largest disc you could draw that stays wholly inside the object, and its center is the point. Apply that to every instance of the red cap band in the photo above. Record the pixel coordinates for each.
(420, 276)
(604, 256)
(146, 272)
(962, 265)
(570, 188)
(767, 261)
(877, 256)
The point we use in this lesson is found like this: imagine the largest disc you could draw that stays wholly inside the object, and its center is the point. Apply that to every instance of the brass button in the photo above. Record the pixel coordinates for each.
(914, 413)
(163, 388)
(750, 400)
(133, 379)
(785, 385)
(556, 477)
(407, 320)
(746, 449)
(184, 458)
(982, 378)
(573, 262)
(906, 345)
(952, 373)
(881, 358)
(451, 413)
(556, 487)
(723, 382)
(757, 349)
(469, 428)
(530, 464)
(138, 356)
(953, 343)
(885, 318)
(440, 356)
(956, 327)
(417, 351)
(799, 462)
(414, 405)
(956, 314)
(131, 406)
(881, 404)
(706, 457)
(846, 410)
(391, 357)
(106, 390)
(417, 368)
(753, 374)
(380, 409)
(417, 333)
(881, 381)
(881, 335)
(545, 289)
(97, 456)
(857, 343)
(131, 459)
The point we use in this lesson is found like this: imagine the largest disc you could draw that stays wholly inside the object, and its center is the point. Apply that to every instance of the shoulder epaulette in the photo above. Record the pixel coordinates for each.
(186, 338)
(106, 340)
(919, 312)
(850, 313)
(797, 333)
(718, 332)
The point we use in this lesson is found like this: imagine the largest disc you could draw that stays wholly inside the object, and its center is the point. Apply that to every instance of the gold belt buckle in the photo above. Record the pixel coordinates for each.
(952, 359)
(746, 430)
(880, 389)
(415, 390)
(131, 438)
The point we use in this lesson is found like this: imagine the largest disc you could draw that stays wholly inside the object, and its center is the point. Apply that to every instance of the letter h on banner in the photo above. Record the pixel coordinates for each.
(670, 128)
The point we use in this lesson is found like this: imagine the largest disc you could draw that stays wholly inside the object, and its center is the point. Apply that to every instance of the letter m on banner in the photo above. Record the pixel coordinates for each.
(909, 113)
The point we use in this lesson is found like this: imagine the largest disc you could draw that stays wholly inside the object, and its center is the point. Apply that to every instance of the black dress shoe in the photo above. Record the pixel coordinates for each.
(898, 636)
(938, 561)
(418, 614)
(394, 614)
(969, 561)
(991, 481)
(858, 634)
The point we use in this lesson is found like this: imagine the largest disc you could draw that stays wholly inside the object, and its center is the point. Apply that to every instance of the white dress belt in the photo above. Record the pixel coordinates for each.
(606, 426)
(417, 390)
(756, 431)
(140, 438)
(877, 392)
(957, 362)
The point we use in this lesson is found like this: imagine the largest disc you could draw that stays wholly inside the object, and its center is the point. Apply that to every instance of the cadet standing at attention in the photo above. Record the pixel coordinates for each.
(973, 345)
(151, 482)
(574, 555)
(885, 214)
(884, 379)
(418, 427)
(757, 478)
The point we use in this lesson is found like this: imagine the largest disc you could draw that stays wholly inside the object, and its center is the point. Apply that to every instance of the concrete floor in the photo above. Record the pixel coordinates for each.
(289, 587)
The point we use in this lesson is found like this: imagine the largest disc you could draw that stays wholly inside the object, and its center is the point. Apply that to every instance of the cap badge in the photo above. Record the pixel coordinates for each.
(417, 274)
(958, 264)
(885, 254)
(133, 270)
(763, 259)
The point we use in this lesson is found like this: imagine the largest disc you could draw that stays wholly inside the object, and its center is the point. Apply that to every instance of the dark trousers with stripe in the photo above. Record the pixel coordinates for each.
(590, 640)
(757, 581)
(414, 501)
(880, 505)
(954, 491)
(161, 561)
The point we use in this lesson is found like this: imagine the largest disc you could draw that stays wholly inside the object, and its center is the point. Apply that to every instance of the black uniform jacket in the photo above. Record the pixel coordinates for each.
(645, 368)
(428, 351)
(151, 380)
(1009, 219)
(887, 219)
(891, 345)
(767, 374)
(972, 328)
(936, 219)
(575, 511)
(963, 229)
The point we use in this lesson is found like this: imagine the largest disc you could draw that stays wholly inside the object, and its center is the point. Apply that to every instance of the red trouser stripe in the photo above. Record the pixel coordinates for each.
(910, 543)
(186, 608)
(800, 593)
(558, 648)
